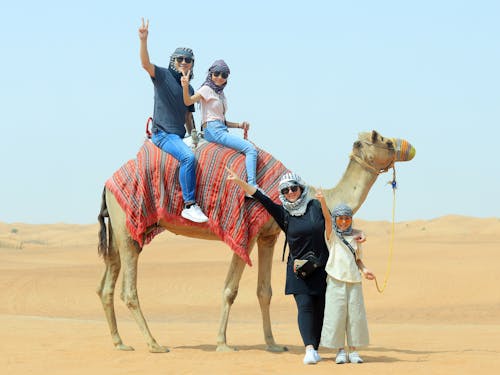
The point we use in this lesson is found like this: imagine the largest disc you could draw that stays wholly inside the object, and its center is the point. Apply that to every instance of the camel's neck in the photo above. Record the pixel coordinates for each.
(352, 188)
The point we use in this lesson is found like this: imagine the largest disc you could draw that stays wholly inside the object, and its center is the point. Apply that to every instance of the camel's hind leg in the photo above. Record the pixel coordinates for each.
(228, 296)
(264, 290)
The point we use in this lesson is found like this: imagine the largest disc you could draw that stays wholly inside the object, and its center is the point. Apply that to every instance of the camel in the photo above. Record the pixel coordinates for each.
(371, 155)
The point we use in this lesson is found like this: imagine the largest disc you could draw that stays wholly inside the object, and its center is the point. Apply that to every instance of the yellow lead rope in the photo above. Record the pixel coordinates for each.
(391, 246)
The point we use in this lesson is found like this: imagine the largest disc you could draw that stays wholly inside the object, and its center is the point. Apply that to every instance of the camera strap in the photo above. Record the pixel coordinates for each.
(347, 244)
(285, 224)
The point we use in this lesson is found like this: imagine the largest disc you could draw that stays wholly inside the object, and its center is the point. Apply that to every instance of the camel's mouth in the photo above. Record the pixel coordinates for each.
(404, 150)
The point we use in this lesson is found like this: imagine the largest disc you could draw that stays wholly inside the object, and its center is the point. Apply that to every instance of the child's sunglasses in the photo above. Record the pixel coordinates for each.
(222, 74)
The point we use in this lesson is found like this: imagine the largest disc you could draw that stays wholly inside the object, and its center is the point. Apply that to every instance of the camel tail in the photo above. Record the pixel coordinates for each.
(103, 248)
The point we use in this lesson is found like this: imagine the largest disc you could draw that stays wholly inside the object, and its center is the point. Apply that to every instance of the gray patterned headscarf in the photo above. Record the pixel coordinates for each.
(297, 208)
(342, 209)
(218, 66)
(180, 51)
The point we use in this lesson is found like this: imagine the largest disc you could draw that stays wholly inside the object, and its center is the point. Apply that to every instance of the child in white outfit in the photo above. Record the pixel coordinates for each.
(345, 314)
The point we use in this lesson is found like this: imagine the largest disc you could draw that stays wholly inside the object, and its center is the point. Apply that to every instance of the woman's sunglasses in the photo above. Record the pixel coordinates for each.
(180, 59)
(286, 190)
(222, 74)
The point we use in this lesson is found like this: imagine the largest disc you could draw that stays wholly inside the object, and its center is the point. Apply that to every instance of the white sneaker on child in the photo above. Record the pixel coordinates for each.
(355, 358)
(310, 358)
(194, 213)
(341, 357)
(317, 356)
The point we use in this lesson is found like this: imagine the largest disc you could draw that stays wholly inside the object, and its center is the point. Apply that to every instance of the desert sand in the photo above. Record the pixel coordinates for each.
(440, 312)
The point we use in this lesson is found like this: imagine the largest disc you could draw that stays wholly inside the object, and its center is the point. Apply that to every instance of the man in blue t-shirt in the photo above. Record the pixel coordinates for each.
(170, 115)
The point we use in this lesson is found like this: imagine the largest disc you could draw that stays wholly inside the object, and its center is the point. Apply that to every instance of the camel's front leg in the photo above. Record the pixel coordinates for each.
(228, 296)
(131, 299)
(264, 290)
(106, 293)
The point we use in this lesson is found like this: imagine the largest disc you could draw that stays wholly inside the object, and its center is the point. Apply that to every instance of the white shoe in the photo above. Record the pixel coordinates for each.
(317, 356)
(355, 358)
(194, 213)
(310, 358)
(341, 357)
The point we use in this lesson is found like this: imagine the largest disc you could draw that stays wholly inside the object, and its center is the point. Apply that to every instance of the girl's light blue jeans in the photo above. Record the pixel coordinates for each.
(174, 145)
(216, 131)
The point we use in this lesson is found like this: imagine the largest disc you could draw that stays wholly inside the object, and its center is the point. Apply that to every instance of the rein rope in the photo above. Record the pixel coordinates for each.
(391, 245)
(393, 184)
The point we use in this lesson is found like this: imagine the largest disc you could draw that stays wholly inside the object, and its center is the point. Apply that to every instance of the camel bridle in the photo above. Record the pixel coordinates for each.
(361, 160)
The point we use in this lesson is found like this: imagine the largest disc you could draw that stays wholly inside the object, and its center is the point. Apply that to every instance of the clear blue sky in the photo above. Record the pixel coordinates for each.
(307, 75)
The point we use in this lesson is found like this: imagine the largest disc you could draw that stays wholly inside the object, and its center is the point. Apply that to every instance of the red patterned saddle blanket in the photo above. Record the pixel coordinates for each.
(147, 188)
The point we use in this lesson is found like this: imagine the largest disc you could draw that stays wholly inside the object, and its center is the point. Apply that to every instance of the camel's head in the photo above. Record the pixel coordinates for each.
(378, 153)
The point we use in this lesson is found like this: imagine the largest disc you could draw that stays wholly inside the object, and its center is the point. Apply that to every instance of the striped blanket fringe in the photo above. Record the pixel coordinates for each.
(147, 189)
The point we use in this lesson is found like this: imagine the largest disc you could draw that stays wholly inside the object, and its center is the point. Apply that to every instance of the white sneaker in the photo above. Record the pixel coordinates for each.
(317, 356)
(341, 357)
(194, 213)
(355, 358)
(310, 358)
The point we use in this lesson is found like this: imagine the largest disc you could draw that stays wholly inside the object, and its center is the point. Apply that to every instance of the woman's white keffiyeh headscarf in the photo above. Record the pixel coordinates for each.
(297, 208)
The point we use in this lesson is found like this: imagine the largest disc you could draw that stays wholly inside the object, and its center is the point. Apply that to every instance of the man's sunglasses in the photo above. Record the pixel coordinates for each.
(180, 59)
(286, 190)
(222, 74)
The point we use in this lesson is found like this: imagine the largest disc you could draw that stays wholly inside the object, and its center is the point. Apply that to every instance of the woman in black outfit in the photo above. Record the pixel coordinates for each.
(301, 218)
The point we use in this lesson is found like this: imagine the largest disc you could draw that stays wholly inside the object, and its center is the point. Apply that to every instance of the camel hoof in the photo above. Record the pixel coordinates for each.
(225, 348)
(276, 348)
(158, 349)
(124, 347)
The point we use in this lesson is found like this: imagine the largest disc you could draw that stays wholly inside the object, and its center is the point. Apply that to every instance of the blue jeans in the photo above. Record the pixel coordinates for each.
(216, 131)
(174, 145)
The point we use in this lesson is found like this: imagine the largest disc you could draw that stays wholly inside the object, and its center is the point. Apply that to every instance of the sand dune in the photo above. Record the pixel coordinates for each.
(440, 313)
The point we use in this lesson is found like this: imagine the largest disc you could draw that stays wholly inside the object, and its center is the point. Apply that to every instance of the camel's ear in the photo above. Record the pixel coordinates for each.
(356, 144)
(374, 136)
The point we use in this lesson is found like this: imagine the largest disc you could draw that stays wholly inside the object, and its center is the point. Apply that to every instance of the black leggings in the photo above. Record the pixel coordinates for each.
(310, 317)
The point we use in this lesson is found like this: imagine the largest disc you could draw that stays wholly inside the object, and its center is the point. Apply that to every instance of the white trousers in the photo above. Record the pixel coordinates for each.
(345, 315)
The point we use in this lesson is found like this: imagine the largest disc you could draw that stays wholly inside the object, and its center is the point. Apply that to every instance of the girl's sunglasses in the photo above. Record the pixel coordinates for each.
(222, 74)
(286, 190)
(180, 59)
(343, 218)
